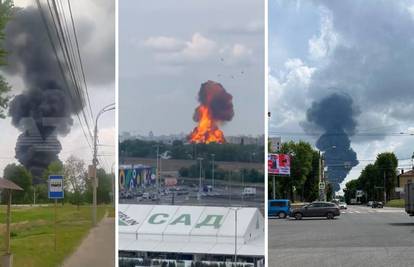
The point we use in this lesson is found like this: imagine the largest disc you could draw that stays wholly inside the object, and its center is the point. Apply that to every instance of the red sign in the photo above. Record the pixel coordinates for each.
(278, 164)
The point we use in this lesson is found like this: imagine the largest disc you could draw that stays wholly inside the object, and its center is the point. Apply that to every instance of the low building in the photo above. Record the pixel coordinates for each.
(403, 179)
(189, 234)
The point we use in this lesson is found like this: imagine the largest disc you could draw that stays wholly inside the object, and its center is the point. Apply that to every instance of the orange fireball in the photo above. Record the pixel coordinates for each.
(206, 130)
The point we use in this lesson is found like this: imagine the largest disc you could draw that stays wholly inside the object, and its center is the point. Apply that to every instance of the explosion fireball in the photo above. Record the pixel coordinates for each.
(215, 107)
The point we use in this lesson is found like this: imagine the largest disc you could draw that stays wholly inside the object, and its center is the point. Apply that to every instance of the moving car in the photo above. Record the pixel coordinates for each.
(342, 206)
(377, 204)
(317, 209)
(279, 207)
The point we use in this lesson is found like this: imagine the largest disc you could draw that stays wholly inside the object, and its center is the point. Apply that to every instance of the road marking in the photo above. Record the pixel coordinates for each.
(372, 211)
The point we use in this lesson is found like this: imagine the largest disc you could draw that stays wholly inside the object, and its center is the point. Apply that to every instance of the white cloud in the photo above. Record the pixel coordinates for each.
(321, 45)
(287, 93)
(196, 49)
(164, 43)
(240, 51)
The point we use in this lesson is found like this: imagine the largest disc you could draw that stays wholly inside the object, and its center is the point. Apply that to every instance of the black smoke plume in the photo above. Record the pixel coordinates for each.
(335, 115)
(44, 108)
(215, 97)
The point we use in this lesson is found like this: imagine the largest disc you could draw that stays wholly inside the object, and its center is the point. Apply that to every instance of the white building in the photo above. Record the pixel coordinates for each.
(276, 143)
(191, 233)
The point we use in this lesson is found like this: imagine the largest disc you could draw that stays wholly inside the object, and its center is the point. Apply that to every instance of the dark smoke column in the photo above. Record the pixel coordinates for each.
(335, 115)
(44, 108)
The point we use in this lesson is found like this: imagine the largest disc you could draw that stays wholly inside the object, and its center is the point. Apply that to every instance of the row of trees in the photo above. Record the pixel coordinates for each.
(303, 182)
(373, 178)
(77, 184)
(179, 150)
(238, 176)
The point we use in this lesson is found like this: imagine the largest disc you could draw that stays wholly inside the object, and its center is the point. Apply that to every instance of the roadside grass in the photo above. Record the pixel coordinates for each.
(396, 203)
(32, 232)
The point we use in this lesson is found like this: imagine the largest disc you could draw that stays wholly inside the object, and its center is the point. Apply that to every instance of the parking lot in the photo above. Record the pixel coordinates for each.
(360, 236)
(188, 195)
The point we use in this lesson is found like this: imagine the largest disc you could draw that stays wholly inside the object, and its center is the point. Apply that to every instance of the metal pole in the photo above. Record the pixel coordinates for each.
(199, 181)
(95, 163)
(385, 190)
(95, 160)
(235, 236)
(213, 170)
(8, 221)
(158, 186)
(158, 171)
(274, 186)
(55, 223)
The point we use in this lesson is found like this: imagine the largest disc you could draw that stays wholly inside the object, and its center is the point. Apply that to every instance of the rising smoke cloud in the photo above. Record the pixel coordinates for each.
(335, 115)
(215, 97)
(43, 110)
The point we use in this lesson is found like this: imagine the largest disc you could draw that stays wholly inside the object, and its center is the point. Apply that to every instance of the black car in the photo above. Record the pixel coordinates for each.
(317, 209)
(377, 204)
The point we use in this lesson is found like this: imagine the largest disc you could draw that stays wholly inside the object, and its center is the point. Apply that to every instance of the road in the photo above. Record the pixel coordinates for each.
(361, 236)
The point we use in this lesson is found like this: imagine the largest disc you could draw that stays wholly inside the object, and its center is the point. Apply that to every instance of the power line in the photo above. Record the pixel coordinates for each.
(49, 33)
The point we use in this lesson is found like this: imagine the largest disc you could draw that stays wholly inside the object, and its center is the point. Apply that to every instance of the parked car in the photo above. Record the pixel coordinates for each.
(317, 209)
(377, 204)
(342, 206)
(279, 207)
(369, 204)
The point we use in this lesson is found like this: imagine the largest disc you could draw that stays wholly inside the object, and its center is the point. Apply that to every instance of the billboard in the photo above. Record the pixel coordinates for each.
(133, 176)
(278, 164)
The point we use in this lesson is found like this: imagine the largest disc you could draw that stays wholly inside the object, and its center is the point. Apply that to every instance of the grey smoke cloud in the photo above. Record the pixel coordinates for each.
(44, 109)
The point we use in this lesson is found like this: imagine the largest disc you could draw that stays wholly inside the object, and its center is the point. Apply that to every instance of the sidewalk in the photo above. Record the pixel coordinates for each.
(97, 249)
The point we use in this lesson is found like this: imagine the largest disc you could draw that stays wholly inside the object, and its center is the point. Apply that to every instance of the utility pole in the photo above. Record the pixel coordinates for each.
(385, 190)
(95, 160)
(235, 236)
(321, 178)
(199, 179)
(158, 171)
(212, 175)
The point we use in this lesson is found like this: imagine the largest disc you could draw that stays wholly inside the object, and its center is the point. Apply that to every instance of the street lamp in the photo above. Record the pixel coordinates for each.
(212, 171)
(199, 181)
(95, 158)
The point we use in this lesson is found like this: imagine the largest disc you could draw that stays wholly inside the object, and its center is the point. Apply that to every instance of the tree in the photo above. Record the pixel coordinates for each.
(22, 177)
(350, 189)
(104, 189)
(5, 15)
(387, 164)
(369, 180)
(300, 166)
(75, 177)
(311, 185)
(329, 192)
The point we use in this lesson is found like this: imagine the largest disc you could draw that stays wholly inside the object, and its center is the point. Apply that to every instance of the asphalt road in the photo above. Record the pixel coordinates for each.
(361, 236)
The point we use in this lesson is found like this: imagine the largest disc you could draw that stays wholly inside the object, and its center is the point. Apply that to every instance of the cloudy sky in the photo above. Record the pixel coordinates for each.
(167, 50)
(364, 49)
(95, 23)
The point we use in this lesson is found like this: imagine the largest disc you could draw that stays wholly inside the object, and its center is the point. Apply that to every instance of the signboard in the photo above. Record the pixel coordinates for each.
(56, 187)
(279, 164)
(322, 185)
(399, 189)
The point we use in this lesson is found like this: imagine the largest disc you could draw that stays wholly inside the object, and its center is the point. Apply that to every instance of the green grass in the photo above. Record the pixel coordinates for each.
(33, 232)
(395, 203)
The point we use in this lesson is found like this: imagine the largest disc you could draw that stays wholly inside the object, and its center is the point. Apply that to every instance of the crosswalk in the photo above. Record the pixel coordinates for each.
(371, 211)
